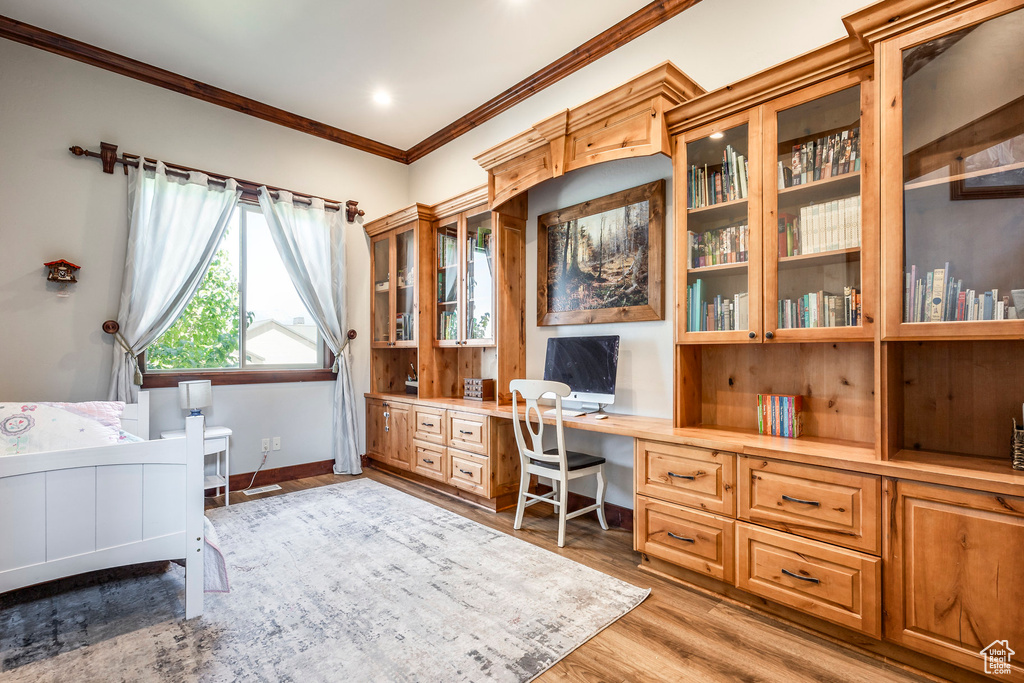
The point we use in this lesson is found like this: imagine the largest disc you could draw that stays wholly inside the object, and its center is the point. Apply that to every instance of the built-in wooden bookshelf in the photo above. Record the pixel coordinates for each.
(718, 210)
(462, 284)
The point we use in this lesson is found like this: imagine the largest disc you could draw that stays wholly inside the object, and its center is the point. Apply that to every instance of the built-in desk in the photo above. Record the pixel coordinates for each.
(849, 456)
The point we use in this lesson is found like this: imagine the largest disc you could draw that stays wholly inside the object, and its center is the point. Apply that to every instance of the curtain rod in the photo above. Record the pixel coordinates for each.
(108, 155)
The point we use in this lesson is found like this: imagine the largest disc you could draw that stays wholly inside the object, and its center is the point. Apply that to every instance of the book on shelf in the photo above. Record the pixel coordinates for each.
(821, 309)
(821, 227)
(719, 314)
(448, 326)
(780, 415)
(446, 288)
(729, 244)
(447, 251)
(716, 184)
(935, 296)
(827, 157)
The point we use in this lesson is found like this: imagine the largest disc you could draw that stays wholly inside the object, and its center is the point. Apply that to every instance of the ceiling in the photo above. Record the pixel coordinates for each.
(325, 59)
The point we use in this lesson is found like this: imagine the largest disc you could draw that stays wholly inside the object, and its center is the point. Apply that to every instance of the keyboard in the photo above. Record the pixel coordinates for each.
(565, 413)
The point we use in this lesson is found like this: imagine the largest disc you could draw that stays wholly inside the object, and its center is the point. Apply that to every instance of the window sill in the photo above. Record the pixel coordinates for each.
(159, 380)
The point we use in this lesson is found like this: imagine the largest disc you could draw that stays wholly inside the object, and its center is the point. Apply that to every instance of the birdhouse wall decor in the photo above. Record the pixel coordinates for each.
(63, 273)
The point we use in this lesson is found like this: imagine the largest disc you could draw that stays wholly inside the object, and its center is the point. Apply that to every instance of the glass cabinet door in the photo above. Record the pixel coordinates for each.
(448, 283)
(381, 249)
(814, 285)
(478, 254)
(405, 288)
(962, 125)
(722, 242)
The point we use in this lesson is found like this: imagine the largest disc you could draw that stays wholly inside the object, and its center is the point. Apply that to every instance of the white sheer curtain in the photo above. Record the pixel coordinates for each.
(174, 226)
(311, 242)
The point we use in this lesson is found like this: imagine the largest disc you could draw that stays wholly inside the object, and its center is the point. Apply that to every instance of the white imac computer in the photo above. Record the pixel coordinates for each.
(588, 365)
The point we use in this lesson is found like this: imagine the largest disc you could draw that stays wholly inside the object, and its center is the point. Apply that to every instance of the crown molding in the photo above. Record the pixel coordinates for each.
(401, 217)
(887, 18)
(633, 26)
(841, 56)
(111, 61)
(443, 209)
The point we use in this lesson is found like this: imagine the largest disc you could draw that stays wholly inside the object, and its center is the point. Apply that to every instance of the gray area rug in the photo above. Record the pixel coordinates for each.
(349, 582)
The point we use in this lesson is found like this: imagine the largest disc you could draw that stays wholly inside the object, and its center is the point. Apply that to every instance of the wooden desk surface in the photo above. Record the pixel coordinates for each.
(950, 470)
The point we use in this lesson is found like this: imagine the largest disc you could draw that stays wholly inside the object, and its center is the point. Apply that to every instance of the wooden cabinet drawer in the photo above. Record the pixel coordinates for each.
(838, 507)
(428, 424)
(469, 472)
(694, 540)
(697, 477)
(467, 431)
(839, 585)
(430, 460)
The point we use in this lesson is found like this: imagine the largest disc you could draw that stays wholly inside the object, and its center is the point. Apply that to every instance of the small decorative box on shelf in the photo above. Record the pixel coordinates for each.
(478, 389)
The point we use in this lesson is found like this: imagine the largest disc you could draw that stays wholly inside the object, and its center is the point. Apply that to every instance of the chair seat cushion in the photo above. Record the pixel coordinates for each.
(576, 461)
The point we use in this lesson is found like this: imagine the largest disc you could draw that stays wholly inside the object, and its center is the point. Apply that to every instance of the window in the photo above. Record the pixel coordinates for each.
(245, 320)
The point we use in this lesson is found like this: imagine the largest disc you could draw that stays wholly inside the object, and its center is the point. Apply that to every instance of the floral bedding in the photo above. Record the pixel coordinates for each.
(27, 427)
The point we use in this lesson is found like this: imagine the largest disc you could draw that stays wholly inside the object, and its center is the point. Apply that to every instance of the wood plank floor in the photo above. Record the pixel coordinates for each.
(677, 634)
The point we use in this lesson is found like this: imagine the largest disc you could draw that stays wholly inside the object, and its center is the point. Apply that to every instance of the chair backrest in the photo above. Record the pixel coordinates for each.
(531, 390)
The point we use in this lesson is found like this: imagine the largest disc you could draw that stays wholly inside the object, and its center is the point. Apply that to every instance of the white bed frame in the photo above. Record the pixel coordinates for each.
(67, 512)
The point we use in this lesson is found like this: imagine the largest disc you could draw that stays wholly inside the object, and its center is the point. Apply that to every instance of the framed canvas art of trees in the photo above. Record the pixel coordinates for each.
(603, 260)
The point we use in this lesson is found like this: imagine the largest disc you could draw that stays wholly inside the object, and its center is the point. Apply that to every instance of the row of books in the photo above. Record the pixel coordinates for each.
(447, 251)
(936, 297)
(825, 157)
(724, 183)
(821, 309)
(448, 325)
(780, 415)
(826, 226)
(721, 245)
(718, 315)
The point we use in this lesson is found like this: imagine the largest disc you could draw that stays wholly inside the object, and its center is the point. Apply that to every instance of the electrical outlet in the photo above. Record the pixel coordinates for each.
(277, 443)
(266, 445)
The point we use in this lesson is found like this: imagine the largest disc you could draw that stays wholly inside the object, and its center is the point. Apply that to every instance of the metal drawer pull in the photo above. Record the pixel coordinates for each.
(427, 424)
(465, 472)
(463, 431)
(428, 461)
(682, 476)
(802, 502)
(688, 540)
(809, 579)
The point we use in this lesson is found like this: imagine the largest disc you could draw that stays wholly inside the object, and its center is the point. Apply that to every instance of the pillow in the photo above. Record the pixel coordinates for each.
(40, 427)
(107, 413)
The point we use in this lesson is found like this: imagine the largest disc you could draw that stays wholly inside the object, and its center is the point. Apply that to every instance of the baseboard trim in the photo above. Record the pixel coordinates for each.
(278, 474)
(616, 515)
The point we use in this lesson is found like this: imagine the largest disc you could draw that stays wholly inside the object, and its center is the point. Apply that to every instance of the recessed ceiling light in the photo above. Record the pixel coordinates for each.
(717, 136)
(382, 97)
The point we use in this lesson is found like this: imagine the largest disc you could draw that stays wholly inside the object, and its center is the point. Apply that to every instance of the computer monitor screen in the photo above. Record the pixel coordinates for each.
(587, 364)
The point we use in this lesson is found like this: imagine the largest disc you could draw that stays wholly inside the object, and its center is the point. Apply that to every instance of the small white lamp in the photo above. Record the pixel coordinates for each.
(195, 395)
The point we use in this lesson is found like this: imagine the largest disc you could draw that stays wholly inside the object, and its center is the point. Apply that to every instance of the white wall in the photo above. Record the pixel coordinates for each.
(644, 383)
(59, 206)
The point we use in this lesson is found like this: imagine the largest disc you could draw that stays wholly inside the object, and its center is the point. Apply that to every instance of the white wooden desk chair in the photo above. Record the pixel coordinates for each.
(556, 464)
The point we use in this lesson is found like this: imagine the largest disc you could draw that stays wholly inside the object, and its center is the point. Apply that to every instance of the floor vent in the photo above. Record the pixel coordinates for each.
(261, 489)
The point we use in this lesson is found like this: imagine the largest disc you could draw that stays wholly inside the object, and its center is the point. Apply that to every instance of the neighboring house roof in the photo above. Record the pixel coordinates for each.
(305, 334)
(270, 342)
